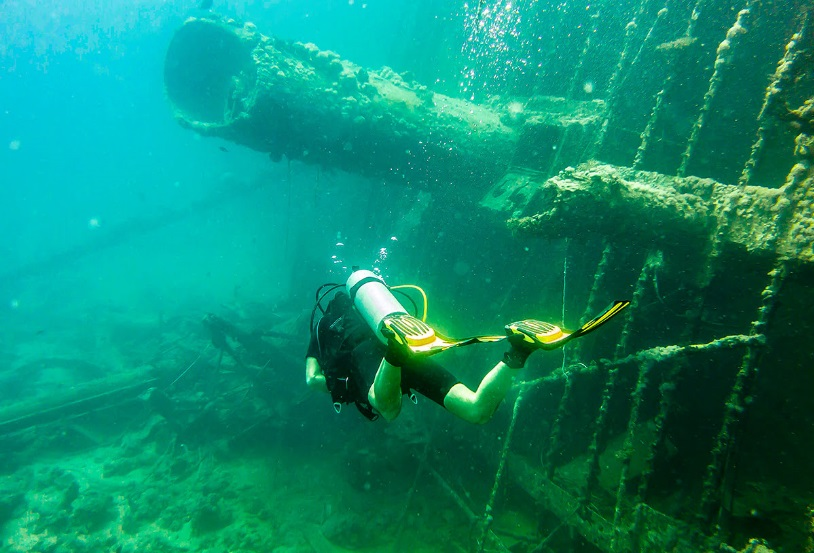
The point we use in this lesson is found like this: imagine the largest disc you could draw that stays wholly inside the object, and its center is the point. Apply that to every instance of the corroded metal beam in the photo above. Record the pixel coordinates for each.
(99, 394)
(225, 79)
(637, 207)
(292, 99)
(664, 533)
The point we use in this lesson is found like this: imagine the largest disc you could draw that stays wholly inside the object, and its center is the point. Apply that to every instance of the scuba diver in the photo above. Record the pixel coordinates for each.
(368, 350)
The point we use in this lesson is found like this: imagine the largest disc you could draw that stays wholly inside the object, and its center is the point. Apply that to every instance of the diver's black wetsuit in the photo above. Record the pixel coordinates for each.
(349, 356)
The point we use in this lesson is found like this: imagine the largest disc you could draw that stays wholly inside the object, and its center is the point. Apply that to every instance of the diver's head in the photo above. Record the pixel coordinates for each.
(339, 305)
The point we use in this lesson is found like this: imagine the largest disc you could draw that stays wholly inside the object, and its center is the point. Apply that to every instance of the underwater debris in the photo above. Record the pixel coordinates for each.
(641, 207)
(295, 101)
(286, 98)
(74, 401)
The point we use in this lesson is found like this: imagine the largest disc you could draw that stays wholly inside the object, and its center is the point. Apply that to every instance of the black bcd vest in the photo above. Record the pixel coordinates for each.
(339, 333)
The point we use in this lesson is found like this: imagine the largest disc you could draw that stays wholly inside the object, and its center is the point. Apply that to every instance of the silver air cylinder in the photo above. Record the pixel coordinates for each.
(372, 300)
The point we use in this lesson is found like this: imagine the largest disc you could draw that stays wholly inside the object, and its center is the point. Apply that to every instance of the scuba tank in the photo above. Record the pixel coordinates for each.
(373, 300)
(386, 317)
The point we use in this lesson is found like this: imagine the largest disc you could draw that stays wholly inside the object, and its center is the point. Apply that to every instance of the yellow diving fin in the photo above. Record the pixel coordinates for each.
(422, 339)
(547, 336)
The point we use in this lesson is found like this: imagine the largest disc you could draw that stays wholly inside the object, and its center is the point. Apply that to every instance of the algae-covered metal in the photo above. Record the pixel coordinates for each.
(295, 100)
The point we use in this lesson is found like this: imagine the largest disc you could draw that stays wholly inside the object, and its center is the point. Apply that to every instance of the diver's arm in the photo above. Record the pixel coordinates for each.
(314, 376)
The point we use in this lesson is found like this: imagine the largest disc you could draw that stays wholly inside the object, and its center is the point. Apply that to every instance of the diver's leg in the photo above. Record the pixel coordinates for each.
(385, 392)
(479, 406)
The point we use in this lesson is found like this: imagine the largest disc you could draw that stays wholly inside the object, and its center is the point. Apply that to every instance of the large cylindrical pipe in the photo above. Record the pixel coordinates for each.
(295, 100)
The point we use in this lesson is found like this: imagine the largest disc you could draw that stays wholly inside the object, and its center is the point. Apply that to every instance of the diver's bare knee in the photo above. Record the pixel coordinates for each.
(387, 412)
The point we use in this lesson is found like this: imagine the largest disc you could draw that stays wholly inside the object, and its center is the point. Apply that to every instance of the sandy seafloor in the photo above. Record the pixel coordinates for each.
(151, 493)
(231, 470)
(134, 498)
